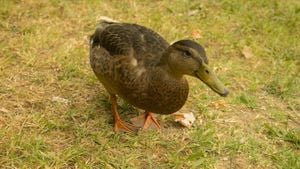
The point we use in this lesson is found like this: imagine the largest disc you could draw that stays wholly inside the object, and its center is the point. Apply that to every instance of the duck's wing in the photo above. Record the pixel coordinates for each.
(131, 40)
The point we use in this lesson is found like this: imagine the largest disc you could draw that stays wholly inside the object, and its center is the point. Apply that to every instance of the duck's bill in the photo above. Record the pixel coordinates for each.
(206, 75)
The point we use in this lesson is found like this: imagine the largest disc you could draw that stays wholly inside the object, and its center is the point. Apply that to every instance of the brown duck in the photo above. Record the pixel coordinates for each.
(140, 66)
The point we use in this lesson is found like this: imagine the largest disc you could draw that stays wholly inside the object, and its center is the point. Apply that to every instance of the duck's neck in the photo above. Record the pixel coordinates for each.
(165, 67)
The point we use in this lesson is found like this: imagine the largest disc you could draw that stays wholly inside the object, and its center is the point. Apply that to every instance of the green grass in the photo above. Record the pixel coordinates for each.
(44, 55)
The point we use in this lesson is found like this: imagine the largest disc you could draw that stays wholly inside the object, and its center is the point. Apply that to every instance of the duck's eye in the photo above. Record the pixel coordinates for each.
(187, 54)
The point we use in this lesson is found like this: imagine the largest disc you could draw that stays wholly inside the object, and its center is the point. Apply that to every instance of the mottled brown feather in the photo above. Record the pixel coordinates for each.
(125, 58)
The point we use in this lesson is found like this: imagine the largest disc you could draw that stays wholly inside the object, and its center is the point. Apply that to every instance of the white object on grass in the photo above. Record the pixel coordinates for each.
(185, 119)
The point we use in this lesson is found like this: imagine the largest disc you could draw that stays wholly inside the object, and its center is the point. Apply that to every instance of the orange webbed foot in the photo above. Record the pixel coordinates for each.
(122, 126)
(146, 121)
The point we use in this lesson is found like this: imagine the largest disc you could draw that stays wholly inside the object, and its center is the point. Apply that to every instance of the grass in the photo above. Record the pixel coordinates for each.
(44, 56)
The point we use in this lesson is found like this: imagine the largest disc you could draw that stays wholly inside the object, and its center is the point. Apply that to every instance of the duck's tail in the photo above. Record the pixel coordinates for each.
(104, 21)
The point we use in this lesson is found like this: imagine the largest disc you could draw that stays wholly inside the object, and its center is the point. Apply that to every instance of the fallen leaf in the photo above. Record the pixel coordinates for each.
(193, 12)
(247, 52)
(219, 104)
(4, 110)
(185, 119)
(196, 34)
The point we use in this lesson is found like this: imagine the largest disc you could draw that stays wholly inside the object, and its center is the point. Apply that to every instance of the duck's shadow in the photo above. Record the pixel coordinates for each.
(102, 105)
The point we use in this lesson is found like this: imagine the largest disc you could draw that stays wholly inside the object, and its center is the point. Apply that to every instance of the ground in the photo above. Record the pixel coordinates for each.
(54, 113)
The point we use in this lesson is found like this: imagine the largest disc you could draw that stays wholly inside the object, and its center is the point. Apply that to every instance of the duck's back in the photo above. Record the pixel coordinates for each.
(124, 39)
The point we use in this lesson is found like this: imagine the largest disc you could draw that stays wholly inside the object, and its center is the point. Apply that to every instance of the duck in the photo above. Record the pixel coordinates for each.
(137, 64)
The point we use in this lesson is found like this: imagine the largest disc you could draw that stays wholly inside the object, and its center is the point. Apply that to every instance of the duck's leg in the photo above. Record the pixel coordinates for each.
(120, 125)
(146, 121)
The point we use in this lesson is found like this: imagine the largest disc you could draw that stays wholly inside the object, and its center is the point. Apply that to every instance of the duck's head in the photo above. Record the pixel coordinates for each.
(186, 57)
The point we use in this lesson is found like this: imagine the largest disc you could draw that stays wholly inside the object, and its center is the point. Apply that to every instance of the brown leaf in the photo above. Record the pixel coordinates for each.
(193, 12)
(196, 34)
(219, 104)
(4, 110)
(247, 52)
